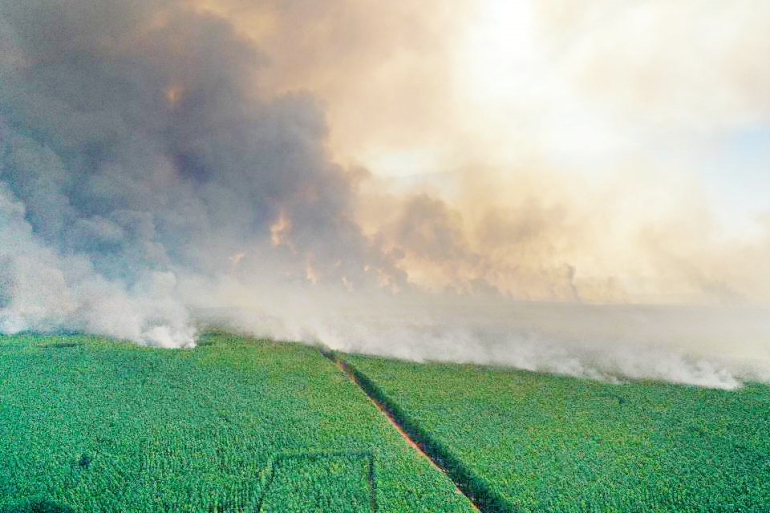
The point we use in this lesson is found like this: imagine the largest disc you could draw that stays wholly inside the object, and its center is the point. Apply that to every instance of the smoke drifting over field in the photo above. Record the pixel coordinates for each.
(135, 152)
(170, 161)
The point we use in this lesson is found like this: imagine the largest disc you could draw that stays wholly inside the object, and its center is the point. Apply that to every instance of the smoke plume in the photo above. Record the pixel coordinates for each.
(171, 163)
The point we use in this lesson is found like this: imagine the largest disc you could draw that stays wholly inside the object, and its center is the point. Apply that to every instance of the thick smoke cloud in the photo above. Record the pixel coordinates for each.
(549, 235)
(161, 167)
(134, 152)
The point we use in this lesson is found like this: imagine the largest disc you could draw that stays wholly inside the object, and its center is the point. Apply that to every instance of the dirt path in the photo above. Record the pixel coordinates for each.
(343, 367)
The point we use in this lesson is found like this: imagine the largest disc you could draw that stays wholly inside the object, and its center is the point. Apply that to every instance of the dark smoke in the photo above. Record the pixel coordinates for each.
(136, 148)
(149, 172)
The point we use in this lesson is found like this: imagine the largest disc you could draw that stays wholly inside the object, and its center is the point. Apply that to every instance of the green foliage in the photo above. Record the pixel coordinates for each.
(342, 482)
(538, 443)
(91, 425)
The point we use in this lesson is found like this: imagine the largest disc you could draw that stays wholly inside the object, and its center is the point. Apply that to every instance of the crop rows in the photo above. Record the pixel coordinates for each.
(309, 477)
(483, 496)
(539, 443)
(94, 425)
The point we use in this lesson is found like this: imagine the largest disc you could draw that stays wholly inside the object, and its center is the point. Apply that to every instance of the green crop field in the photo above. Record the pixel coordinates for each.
(528, 442)
(89, 425)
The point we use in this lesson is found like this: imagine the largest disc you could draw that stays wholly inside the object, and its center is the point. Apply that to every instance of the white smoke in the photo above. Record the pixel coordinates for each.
(45, 291)
(709, 346)
(151, 184)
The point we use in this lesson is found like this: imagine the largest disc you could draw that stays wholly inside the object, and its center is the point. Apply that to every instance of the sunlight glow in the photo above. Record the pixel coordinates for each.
(499, 50)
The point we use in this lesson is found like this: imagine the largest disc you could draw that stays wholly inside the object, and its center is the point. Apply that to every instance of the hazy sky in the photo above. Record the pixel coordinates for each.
(658, 112)
(420, 179)
(582, 86)
(599, 151)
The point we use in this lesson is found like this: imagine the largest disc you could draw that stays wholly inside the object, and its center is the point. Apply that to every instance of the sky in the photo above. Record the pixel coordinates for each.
(582, 77)
(663, 107)
(301, 160)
